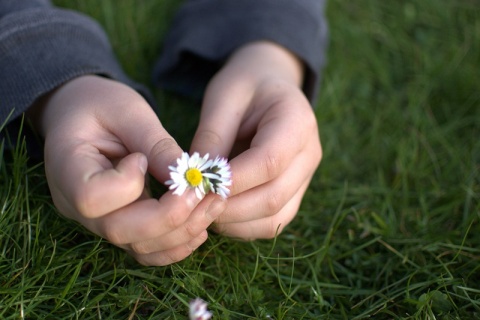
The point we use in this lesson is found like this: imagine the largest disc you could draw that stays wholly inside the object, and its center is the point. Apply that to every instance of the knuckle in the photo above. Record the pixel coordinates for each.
(272, 166)
(148, 260)
(157, 259)
(273, 230)
(191, 230)
(84, 202)
(175, 219)
(197, 242)
(112, 234)
(140, 248)
(154, 259)
(144, 262)
(173, 256)
(201, 239)
(274, 203)
(162, 146)
(210, 137)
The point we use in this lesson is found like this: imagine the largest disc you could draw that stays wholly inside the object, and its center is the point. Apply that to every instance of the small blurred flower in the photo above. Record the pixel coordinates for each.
(198, 310)
(201, 174)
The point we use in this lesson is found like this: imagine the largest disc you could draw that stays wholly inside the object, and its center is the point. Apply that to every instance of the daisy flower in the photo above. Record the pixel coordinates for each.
(191, 172)
(198, 310)
(221, 168)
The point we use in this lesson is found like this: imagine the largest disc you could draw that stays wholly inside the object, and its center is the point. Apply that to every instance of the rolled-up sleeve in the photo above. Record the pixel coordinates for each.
(205, 32)
(42, 47)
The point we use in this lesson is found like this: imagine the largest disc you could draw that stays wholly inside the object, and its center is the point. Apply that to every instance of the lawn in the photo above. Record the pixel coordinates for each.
(389, 228)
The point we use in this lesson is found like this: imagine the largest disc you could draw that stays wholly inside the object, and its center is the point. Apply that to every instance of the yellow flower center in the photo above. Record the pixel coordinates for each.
(194, 177)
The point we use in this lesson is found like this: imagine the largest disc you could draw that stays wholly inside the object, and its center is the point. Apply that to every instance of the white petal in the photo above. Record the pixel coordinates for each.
(180, 190)
(199, 193)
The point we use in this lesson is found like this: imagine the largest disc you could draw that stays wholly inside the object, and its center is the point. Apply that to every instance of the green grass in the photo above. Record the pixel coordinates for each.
(389, 228)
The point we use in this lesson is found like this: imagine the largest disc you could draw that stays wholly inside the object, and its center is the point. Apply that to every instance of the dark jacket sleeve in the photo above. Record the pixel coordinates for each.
(42, 47)
(205, 32)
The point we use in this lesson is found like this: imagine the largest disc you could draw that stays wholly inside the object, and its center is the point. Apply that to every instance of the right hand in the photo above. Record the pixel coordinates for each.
(100, 138)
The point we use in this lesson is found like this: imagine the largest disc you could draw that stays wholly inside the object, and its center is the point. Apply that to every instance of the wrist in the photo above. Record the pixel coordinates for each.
(40, 112)
(267, 60)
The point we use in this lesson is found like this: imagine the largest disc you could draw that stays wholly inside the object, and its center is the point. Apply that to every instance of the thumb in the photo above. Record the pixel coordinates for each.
(118, 186)
(142, 132)
(94, 189)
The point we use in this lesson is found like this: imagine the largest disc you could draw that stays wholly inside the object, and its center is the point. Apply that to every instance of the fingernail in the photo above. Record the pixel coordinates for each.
(191, 199)
(216, 208)
(143, 163)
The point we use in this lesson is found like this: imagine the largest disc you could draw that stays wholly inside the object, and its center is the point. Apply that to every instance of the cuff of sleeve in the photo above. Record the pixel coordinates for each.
(205, 33)
(42, 48)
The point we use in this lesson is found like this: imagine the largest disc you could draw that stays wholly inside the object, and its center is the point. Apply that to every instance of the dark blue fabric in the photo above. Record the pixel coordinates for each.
(205, 32)
(42, 47)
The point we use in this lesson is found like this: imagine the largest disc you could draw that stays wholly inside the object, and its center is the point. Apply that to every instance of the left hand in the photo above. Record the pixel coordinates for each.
(101, 136)
(255, 112)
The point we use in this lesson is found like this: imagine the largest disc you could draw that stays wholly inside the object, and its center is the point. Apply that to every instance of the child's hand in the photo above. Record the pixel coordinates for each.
(100, 138)
(255, 111)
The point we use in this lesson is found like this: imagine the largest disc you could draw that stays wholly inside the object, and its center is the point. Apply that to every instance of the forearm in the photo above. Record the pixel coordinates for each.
(205, 33)
(264, 60)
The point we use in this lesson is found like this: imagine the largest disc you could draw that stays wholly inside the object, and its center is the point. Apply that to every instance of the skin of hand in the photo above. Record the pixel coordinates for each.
(101, 137)
(255, 113)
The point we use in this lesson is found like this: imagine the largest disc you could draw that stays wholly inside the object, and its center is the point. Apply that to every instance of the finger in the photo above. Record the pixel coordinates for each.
(223, 108)
(140, 130)
(170, 256)
(282, 133)
(93, 186)
(200, 219)
(144, 219)
(269, 198)
(264, 228)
